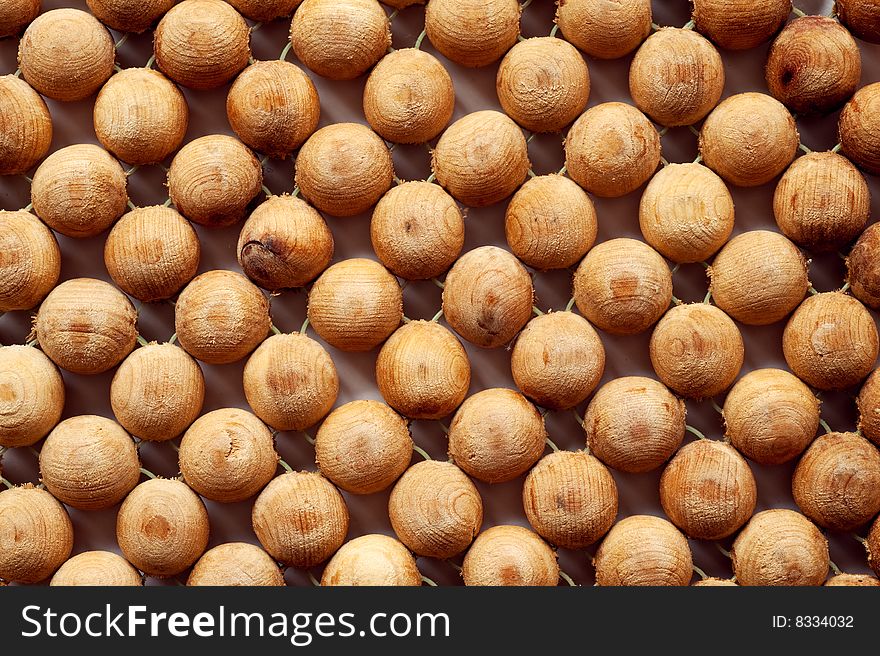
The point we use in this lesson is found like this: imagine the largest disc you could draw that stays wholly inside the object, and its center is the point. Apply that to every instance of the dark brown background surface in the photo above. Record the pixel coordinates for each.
(475, 90)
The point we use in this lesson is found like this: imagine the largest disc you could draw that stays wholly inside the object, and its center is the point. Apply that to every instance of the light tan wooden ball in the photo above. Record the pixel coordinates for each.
(510, 556)
(643, 551)
(26, 125)
(605, 30)
(373, 560)
(30, 261)
(31, 396)
(236, 564)
(473, 33)
(97, 568)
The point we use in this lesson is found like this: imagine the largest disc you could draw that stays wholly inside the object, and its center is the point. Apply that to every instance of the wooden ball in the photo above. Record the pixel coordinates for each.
(868, 403)
(873, 547)
(612, 150)
(473, 33)
(355, 305)
(863, 267)
(228, 455)
(80, 191)
(265, 10)
(749, 139)
(558, 360)
(86, 326)
(697, 350)
(30, 261)
(31, 396)
(543, 84)
(66, 54)
(770, 416)
(409, 97)
(162, 527)
(340, 39)
(708, 490)
(202, 44)
(853, 580)
(714, 582)
(686, 213)
(220, 317)
(36, 535)
(510, 556)
(403, 4)
(97, 568)
(284, 244)
(858, 133)
(15, 15)
(151, 253)
(157, 392)
(25, 124)
(482, 158)
(373, 560)
(759, 277)
(89, 463)
(605, 30)
(822, 202)
(423, 371)
(300, 519)
(140, 116)
(273, 107)
(623, 286)
(780, 548)
(837, 481)
(496, 435)
(814, 65)
(570, 499)
(417, 230)
(213, 179)
(344, 168)
(740, 24)
(634, 424)
(643, 550)
(550, 223)
(290, 382)
(676, 77)
(363, 447)
(236, 564)
(861, 17)
(435, 509)
(487, 298)
(831, 341)
(129, 15)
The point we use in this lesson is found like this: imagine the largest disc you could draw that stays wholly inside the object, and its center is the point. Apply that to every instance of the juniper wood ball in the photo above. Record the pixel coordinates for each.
(140, 116)
(473, 33)
(488, 296)
(740, 24)
(623, 286)
(157, 392)
(36, 535)
(759, 277)
(15, 15)
(858, 133)
(373, 560)
(236, 564)
(570, 499)
(435, 509)
(558, 360)
(861, 17)
(86, 326)
(510, 556)
(290, 382)
(863, 267)
(265, 10)
(363, 446)
(285, 243)
(300, 519)
(605, 30)
(162, 527)
(780, 548)
(634, 424)
(30, 261)
(770, 416)
(129, 15)
(89, 463)
(31, 396)
(831, 341)
(643, 551)
(152, 253)
(202, 44)
(868, 403)
(97, 568)
(423, 371)
(66, 54)
(27, 124)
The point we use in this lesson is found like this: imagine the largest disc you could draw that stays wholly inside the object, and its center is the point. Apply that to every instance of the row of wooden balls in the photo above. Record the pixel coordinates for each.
(301, 520)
